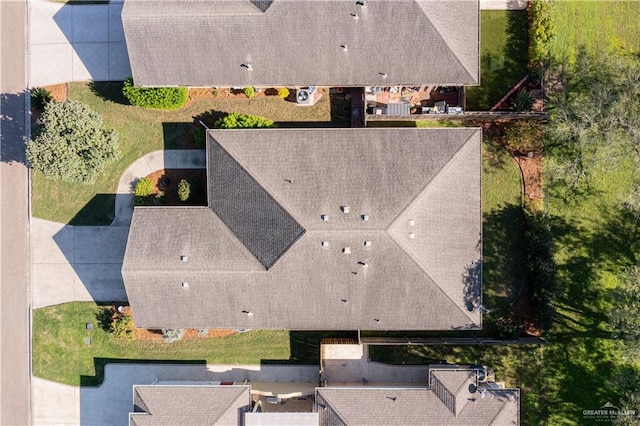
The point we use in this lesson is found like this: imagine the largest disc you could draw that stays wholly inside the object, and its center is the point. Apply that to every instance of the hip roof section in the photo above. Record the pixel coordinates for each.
(302, 42)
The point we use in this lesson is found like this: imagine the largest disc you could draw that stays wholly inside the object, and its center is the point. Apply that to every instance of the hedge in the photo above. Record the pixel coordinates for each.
(154, 97)
(241, 121)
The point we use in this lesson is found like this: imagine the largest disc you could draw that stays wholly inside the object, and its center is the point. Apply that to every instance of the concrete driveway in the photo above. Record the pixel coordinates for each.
(76, 42)
(76, 263)
(111, 403)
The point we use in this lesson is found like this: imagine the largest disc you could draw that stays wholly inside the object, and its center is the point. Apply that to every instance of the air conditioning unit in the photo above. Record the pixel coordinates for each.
(304, 97)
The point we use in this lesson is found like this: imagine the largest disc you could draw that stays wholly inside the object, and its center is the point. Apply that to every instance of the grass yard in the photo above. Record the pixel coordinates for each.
(595, 26)
(503, 57)
(594, 240)
(142, 131)
(60, 353)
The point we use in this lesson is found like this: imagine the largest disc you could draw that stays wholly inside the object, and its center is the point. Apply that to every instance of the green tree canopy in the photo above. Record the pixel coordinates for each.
(595, 115)
(72, 143)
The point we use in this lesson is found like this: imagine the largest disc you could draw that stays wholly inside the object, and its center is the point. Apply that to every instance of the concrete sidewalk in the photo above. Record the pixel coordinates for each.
(111, 403)
(76, 263)
(77, 42)
(154, 161)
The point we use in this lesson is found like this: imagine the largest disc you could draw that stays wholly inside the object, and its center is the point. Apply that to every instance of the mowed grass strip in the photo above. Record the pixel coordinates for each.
(142, 131)
(503, 57)
(61, 354)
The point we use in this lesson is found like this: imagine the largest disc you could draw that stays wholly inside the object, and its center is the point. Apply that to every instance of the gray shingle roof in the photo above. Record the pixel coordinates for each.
(189, 405)
(426, 181)
(299, 42)
(412, 406)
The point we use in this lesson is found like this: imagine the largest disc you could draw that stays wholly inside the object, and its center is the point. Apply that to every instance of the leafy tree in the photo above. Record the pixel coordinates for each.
(632, 203)
(241, 121)
(625, 314)
(595, 116)
(72, 144)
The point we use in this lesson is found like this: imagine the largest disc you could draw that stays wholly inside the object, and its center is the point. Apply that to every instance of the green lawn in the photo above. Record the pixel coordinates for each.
(142, 131)
(60, 353)
(503, 57)
(595, 26)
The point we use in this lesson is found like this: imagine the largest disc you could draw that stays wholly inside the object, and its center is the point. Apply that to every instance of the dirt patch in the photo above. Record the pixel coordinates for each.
(166, 181)
(58, 92)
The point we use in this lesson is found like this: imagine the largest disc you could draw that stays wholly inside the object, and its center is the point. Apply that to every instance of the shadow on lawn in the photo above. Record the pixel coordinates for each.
(110, 91)
(502, 70)
(99, 211)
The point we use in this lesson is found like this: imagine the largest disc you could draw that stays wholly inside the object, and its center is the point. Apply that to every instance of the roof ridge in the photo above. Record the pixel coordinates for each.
(418, 197)
(444, 39)
(223, 413)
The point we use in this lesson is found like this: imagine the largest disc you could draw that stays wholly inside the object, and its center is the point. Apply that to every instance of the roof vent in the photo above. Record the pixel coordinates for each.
(354, 15)
(247, 313)
(365, 217)
(185, 285)
(383, 74)
(184, 258)
(345, 209)
(343, 300)
(412, 235)
(361, 3)
(325, 244)
(367, 243)
(324, 217)
(346, 250)
(376, 319)
(412, 222)
(247, 66)
(344, 47)
(363, 264)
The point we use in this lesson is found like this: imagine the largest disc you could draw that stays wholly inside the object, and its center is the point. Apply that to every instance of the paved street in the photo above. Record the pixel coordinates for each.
(15, 391)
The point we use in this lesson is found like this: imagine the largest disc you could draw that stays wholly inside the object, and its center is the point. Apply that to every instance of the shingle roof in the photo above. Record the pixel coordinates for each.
(300, 42)
(192, 405)
(412, 406)
(424, 182)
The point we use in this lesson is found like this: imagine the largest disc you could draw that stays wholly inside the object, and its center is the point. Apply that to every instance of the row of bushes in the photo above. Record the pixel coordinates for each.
(144, 189)
(154, 97)
(540, 33)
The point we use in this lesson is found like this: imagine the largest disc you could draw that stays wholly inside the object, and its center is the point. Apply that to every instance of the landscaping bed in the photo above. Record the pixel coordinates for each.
(165, 182)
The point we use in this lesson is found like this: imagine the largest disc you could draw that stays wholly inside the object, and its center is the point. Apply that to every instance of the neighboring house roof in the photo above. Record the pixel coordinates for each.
(301, 42)
(260, 246)
(189, 405)
(452, 399)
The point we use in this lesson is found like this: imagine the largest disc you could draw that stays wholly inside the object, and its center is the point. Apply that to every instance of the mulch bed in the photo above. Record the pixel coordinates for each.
(197, 177)
(190, 333)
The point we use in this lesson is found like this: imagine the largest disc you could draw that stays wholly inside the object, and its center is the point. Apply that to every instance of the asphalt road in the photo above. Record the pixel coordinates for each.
(15, 377)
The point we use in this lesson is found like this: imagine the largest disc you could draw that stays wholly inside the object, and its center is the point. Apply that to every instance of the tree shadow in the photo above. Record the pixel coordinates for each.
(13, 121)
(110, 91)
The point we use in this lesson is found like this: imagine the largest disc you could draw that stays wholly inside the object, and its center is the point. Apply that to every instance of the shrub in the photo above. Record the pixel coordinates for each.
(40, 97)
(241, 121)
(184, 190)
(171, 335)
(540, 30)
(283, 92)
(144, 187)
(72, 145)
(120, 325)
(523, 100)
(154, 97)
(203, 332)
(524, 135)
(250, 92)
(215, 92)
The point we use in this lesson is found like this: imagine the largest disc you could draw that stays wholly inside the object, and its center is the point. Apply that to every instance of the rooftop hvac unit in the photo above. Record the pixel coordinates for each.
(304, 97)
